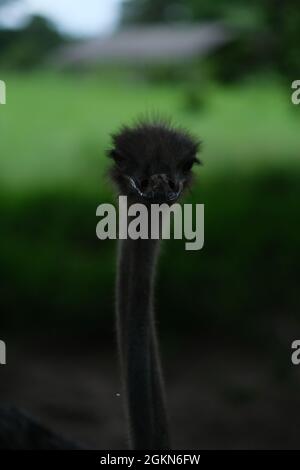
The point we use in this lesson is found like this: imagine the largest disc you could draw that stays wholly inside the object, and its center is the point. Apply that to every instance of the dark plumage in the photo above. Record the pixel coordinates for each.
(19, 431)
(150, 148)
(152, 163)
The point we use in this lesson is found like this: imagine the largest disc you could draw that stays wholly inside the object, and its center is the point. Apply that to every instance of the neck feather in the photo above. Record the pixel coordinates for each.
(138, 345)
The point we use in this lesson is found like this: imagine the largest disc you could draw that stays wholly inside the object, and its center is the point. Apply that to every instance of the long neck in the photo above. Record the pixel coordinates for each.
(138, 345)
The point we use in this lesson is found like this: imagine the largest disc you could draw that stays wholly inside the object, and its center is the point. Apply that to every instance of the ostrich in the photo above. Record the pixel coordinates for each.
(152, 164)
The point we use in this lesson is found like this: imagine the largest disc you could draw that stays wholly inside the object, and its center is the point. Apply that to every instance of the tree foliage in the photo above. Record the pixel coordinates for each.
(267, 30)
(29, 46)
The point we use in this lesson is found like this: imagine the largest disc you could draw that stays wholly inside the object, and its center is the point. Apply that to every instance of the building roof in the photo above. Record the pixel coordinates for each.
(147, 44)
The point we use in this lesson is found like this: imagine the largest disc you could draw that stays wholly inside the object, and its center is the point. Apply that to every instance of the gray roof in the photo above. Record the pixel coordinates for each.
(147, 44)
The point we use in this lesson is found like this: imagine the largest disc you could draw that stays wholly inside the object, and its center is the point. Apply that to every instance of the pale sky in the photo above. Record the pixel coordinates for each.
(75, 17)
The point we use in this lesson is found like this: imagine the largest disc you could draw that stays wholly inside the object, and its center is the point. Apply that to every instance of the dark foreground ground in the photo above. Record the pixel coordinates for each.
(220, 395)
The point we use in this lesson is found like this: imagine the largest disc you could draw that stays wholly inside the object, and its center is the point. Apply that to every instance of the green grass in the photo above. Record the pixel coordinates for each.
(53, 133)
(55, 128)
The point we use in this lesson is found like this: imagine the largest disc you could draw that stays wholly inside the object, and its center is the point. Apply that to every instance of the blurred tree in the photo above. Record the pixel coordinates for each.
(152, 11)
(146, 11)
(28, 47)
(267, 30)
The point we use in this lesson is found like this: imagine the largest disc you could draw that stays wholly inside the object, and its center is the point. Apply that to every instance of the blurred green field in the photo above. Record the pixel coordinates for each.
(55, 128)
(54, 131)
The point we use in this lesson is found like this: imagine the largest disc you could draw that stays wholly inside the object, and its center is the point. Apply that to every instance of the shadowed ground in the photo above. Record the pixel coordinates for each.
(221, 395)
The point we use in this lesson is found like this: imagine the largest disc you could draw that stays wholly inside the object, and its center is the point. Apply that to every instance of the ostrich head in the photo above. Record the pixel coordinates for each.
(153, 161)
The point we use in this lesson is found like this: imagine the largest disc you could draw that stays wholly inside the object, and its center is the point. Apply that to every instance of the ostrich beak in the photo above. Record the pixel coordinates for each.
(159, 189)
